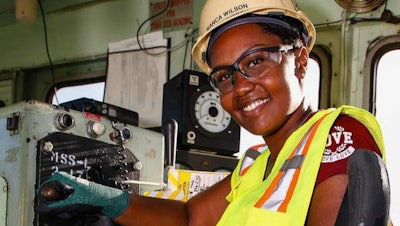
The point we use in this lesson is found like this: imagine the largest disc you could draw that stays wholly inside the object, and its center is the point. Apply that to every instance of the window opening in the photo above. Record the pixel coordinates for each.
(387, 110)
(92, 91)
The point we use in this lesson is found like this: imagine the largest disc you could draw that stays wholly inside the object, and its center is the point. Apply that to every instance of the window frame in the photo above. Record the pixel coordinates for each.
(322, 55)
(375, 52)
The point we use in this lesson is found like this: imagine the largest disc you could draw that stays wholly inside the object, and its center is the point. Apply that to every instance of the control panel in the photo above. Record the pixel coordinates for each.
(38, 139)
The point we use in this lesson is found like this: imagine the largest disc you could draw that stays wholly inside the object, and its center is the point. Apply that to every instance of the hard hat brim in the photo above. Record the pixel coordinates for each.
(251, 18)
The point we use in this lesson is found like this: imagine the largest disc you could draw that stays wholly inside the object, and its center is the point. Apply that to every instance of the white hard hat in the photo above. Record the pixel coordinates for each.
(216, 13)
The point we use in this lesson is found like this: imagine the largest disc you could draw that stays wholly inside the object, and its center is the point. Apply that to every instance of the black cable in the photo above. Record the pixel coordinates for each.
(191, 35)
(148, 19)
(327, 24)
(193, 41)
(47, 51)
(184, 55)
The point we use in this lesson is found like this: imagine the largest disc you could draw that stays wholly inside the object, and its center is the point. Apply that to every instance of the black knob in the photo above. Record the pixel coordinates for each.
(49, 193)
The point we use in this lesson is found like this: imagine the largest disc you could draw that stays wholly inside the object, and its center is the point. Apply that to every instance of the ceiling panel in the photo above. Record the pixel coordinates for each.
(7, 8)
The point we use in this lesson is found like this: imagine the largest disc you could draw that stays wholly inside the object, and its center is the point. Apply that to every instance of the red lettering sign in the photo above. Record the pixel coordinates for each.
(179, 13)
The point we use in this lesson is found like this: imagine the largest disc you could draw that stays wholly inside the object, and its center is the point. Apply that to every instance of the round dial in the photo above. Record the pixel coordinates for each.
(209, 113)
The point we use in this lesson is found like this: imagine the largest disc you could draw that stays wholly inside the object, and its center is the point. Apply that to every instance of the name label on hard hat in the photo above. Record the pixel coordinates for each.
(228, 13)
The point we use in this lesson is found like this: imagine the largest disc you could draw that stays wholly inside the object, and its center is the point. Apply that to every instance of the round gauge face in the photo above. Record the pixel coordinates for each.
(209, 113)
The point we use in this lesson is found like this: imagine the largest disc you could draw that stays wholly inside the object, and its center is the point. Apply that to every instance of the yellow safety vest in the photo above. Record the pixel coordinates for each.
(284, 196)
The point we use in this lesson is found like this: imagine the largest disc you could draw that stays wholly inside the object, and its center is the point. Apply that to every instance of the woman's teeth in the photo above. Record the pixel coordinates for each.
(254, 105)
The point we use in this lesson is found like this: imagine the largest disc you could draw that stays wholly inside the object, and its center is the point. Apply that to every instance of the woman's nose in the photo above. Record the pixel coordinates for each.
(242, 85)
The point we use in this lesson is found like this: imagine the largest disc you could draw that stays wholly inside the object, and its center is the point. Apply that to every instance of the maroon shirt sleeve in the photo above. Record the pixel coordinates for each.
(346, 135)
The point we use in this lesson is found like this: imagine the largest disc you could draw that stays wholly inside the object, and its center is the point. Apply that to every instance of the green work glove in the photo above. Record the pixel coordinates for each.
(63, 193)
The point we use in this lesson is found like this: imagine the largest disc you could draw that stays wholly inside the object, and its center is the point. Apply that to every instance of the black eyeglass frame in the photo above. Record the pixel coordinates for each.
(235, 66)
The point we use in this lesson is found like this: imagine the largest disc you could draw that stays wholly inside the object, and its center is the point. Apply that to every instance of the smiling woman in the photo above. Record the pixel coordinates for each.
(300, 74)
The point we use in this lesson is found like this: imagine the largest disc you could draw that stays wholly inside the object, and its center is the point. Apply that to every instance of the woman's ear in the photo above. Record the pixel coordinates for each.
(301, 61)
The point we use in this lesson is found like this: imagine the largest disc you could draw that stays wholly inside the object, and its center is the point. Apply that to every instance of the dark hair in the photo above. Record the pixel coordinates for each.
(288, 37)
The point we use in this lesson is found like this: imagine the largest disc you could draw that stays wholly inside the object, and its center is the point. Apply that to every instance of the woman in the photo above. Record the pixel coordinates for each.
(256, 53)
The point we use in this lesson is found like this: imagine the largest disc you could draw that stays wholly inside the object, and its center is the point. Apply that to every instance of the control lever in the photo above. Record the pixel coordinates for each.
(89, 216)
(50, 193)
(170, 132)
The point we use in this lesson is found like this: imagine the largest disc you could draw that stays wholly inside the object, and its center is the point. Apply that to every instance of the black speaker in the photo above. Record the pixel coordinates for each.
(202, 122)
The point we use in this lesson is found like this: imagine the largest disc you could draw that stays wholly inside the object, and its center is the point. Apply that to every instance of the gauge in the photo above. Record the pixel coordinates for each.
(208, 116)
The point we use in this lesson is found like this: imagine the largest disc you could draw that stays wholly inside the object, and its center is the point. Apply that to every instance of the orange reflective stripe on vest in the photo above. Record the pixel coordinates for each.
(278, 195)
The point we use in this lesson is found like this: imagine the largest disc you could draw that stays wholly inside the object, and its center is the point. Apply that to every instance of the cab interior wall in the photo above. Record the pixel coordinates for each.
(81, 34)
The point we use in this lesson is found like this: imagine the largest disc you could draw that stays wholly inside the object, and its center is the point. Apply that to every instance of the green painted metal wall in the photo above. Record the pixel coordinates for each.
(82, 34)
(72, 35)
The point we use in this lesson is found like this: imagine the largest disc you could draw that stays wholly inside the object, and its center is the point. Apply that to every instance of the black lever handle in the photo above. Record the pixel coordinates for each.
(170, 132)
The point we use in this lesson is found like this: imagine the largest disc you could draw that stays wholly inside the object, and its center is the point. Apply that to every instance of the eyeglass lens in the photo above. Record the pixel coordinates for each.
(251, 65)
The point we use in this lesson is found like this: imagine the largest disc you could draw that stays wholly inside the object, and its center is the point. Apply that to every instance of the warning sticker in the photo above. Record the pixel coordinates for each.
(184, 184)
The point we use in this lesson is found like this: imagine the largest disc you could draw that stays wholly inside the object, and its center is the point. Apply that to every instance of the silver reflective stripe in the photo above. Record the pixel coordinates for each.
(288, 168)
(303, 142)
(293, 163)
(252, 153)
(279, 194)
(250, 156)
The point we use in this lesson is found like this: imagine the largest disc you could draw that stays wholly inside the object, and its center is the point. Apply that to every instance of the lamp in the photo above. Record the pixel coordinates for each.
(359, 6)
(26, 10)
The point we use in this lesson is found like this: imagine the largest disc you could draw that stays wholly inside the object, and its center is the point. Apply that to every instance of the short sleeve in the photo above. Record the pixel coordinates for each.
(345, 136)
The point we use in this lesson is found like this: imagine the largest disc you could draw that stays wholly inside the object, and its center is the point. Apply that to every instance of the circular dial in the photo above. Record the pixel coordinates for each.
(209, 113)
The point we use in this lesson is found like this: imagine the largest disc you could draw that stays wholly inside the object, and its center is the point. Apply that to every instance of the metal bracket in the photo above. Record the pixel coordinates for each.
(13, 123)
